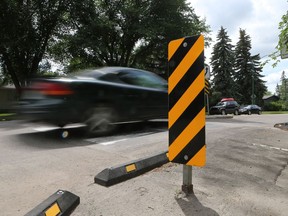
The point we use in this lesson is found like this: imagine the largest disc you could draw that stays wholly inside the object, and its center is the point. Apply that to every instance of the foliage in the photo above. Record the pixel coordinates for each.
(282, 91)
(274, 106)
(282, 42)
(215, 98)
(26, 29)
(283, 36)
(247, 72)
(236, 73)
(222, 63)
(129, 33)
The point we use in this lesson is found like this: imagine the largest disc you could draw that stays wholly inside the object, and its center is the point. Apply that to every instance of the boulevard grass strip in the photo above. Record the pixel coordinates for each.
(7, 116)
(275, 112)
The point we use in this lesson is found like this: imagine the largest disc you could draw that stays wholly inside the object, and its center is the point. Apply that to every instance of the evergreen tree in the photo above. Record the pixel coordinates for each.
(222, 65)
(257, 78)
(284, 90)
(243, 68)
(278, 92)
(250, 86)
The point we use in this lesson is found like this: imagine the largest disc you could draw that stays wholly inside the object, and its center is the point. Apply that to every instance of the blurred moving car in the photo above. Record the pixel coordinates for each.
(225, 106)
(99, 98)
(250, 109)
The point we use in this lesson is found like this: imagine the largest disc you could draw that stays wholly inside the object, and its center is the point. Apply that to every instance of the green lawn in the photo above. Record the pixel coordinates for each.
(6, 114)
(275, 112)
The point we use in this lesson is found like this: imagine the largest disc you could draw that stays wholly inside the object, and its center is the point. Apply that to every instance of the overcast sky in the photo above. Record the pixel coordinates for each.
(260, 19)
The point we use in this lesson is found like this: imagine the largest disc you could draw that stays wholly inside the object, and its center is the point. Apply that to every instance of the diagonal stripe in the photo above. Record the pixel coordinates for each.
(185, 119)
(192, 148)
(186, 63)
(199, 158)
(187, 135)
(173, 46)
(190, 94)
(186, 81)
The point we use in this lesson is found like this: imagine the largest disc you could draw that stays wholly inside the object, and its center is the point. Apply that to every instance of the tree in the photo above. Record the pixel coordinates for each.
(282, 92)
(222, 62)
(243, 68)
(258, 83)
(283, 89)
(130, 33)
(250, 86)
(283, 36)
(26, 28)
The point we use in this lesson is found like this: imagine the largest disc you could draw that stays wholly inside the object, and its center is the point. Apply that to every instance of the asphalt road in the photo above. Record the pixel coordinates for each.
(246, 171)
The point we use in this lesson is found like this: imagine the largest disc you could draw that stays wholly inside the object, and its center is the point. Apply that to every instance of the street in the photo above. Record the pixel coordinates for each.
(246, 171)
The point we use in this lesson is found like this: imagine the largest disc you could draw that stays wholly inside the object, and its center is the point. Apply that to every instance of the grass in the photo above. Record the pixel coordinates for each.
(275, 112)
(6, 114)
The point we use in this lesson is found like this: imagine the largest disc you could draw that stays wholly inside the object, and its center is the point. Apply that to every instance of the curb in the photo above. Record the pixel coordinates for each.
(60, 203)
(114, 175)
(219, 116)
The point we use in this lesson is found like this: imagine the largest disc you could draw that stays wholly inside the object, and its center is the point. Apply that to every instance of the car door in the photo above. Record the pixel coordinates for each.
(229, 107)
(148, 93)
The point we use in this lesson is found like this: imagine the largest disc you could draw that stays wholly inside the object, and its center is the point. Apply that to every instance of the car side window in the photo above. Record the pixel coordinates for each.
(142, 79)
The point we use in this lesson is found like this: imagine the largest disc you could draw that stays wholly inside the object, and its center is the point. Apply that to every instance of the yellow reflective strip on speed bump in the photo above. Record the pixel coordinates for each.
(187, 135)
(190, 94)
(185, 64)
(54, 210)
(130, 168)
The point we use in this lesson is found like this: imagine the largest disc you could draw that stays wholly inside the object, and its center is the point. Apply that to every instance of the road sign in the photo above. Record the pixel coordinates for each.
(207, 87)
(186, 117)
(207, 71)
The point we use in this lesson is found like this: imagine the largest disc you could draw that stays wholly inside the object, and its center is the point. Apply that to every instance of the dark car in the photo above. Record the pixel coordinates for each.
(225, 107)
(100, 98)
(250, 109)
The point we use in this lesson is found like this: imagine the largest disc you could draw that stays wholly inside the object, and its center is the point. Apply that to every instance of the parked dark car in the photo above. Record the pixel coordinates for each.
(99, 98)
(250, 109)
(225, 107)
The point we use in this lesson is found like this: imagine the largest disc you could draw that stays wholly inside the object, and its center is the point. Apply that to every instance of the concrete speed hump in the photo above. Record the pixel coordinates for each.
(61, 203)
(186, 117)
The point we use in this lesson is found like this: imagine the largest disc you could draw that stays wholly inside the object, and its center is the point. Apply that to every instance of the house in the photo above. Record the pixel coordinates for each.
(270, 98)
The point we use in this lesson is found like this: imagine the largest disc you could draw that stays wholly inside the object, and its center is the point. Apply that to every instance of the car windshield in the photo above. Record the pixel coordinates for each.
(220, 103)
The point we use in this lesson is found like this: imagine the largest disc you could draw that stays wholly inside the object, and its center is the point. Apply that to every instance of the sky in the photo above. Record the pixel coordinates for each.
(259, 18)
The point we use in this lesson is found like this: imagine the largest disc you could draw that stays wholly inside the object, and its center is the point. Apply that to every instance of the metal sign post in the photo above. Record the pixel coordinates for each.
(187, 186)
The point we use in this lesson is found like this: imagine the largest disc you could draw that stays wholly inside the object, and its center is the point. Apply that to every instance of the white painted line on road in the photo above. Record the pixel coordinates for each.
(271, 147)
(112, 142)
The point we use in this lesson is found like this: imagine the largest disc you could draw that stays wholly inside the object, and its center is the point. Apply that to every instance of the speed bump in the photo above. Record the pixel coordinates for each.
(61, 203)
(117, 174)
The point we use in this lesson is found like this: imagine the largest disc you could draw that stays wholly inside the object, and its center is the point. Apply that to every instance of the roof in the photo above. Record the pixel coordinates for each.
(266, 97)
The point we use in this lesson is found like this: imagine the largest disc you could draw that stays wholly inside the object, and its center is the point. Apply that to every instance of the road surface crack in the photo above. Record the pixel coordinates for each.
(280, 172)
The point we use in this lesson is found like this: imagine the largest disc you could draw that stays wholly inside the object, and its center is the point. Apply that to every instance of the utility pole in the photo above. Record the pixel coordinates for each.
(253, 95)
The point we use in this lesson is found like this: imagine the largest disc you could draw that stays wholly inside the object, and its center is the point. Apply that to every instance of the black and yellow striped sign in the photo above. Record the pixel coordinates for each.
(186, 117)
(207, 87)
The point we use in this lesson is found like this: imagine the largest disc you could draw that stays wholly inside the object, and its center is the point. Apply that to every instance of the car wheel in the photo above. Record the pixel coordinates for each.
(236, 112)
(259, 112)
(223, 112)
(99, 121)
(249, 112)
